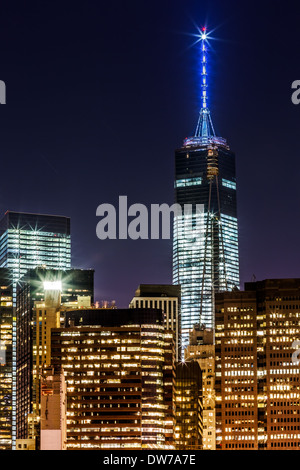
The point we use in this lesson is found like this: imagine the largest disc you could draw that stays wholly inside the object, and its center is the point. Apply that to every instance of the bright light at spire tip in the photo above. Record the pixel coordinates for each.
(203, 33)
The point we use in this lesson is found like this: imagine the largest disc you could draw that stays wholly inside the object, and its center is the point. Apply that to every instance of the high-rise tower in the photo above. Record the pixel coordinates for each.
(31, 240)
(205, 246)
(6, 321)
(27, 241)
(43, 295)
(120, 374)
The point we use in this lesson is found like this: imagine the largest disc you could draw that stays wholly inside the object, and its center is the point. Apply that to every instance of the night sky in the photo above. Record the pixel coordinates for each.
(100, 94)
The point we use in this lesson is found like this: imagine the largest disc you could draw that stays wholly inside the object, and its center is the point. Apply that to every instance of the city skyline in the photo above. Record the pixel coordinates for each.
(95, 84)
(174, 328)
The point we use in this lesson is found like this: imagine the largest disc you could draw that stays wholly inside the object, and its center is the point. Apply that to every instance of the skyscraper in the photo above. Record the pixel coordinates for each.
(165, 297)
(205, 246)
(43, 295)
(119, 368)
(257, 366)
(6, 319)
(31, 240)
(202, 350)
(188, 405)
(27, 241)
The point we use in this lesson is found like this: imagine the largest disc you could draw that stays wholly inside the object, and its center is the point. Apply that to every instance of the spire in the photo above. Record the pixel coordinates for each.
(205, 126)
(205, 132)
(203, 68)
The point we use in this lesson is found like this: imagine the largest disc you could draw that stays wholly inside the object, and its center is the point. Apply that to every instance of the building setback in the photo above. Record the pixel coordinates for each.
(119, 369)
(257, 376)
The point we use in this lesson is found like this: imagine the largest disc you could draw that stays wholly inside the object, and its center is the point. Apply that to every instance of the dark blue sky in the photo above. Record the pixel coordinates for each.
(99, 95)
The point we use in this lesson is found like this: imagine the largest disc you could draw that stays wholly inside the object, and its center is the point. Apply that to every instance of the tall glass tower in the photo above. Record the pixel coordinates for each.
(205, 246)
(28, 241)
(31, 240)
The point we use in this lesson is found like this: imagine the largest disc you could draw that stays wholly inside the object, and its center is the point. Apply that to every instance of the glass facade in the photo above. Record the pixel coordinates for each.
(28, 241)
(205, 247)
(31, 240)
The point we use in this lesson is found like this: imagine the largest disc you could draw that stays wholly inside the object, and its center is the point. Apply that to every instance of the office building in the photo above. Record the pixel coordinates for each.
(167, 298)
(188, 405)
(205, 246)
(201, 349)
(43, 295)
(27, 241)
(257, 374)
(31, 240)
(6, 320)
(119, 369)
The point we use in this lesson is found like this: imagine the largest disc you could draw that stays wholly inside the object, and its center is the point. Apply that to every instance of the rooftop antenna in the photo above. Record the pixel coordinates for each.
(205, 132)
(205, 126)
